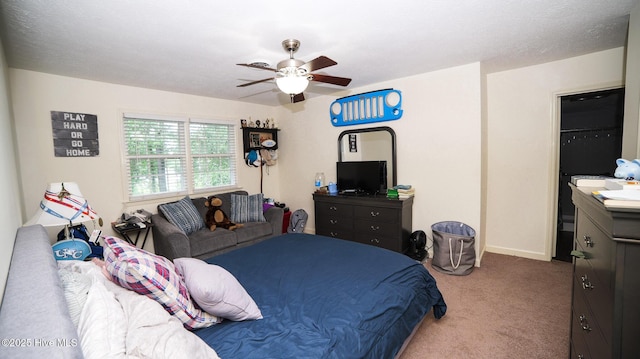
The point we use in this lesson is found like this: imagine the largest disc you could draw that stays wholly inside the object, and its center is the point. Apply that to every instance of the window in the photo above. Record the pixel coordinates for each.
(173, 156)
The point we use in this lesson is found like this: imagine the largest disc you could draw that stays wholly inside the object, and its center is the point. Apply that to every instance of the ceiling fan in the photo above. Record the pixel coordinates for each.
(293, 75)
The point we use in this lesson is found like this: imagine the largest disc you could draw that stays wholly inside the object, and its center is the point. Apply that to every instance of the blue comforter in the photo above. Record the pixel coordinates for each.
(324, 298)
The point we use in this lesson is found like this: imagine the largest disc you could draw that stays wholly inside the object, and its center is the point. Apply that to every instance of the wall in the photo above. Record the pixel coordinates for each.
(522, 147)
(100, 178)
(438, 144)
(630, 143)
(11, 204)
(447, 136)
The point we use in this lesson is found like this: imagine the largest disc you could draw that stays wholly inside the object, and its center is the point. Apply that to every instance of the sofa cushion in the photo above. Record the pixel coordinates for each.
(204, 241)
(155, 277)
(183, 214)
(253, 230)
(245, 209)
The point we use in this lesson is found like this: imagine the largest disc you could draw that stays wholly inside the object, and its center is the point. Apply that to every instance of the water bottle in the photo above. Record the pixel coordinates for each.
(319, 180)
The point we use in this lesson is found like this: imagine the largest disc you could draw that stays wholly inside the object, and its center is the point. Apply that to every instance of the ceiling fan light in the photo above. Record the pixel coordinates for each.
(291, 84)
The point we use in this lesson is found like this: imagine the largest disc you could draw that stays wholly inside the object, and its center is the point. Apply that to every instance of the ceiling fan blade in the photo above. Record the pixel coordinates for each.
(297, 98)
(318, 63)
(257, 67)
(255, 82)
(334, 80)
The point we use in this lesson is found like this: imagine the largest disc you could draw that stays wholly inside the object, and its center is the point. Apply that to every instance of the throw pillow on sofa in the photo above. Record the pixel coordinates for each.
(183, 214)
(155, 277)
(246, 209)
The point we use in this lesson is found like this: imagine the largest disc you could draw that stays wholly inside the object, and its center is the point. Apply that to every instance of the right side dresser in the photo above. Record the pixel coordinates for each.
(605, 310)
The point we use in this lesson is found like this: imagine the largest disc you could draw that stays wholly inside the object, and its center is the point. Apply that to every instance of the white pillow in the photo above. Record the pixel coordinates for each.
(102, 327)
(76, 289)
(153, 333)
(216, 290)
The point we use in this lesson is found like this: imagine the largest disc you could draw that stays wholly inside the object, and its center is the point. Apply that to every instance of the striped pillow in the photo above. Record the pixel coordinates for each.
(183, 214)
(246, 209)
(155, 277)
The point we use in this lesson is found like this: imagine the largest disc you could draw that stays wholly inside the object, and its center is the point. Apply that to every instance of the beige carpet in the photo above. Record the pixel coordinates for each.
(509, 308)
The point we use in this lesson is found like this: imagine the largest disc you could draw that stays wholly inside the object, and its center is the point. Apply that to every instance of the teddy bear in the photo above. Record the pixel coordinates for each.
(216, 217)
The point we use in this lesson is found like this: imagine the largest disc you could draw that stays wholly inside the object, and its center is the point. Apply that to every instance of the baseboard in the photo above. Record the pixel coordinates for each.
(517, 253)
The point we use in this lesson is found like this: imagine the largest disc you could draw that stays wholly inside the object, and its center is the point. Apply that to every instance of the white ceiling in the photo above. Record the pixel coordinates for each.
(192, 46)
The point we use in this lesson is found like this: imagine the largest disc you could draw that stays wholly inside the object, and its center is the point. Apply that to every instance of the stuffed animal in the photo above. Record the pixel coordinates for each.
(216, 217)
(628, 170)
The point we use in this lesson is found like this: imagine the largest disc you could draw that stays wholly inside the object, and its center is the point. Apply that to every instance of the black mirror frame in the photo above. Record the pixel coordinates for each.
(394, 172)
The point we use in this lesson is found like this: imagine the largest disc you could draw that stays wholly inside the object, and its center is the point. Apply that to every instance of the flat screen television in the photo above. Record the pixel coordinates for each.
(362, 177)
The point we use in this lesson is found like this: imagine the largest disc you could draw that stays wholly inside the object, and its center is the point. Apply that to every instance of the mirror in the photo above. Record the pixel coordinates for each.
(370, 144)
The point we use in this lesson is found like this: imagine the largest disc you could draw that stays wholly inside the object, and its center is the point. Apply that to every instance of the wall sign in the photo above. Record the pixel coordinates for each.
(74, 134)
(368, 107)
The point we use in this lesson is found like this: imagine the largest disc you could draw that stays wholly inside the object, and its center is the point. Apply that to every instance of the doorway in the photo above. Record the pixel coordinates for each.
(590, 143)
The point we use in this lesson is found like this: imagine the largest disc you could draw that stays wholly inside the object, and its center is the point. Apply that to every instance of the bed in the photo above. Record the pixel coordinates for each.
(319, 298)
(322, 297)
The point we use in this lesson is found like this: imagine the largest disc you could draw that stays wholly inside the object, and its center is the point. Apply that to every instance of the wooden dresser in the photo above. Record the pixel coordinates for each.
(606, 280)
(375, 220)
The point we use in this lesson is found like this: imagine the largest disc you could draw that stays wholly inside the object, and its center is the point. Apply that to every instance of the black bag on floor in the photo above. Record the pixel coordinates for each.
(453, 248)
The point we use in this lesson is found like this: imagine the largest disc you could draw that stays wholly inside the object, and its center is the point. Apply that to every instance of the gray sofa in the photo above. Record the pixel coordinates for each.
(170, 242)
(34, 317)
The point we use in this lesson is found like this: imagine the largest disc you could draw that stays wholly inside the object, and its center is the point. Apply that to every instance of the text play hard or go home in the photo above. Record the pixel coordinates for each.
(74, 134)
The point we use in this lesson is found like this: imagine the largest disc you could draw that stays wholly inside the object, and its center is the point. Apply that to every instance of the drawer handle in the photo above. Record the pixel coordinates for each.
(333, 208)
(333, 234)
(587, 241)
(375, 228)
(376, 214)
(586, 283)
(333, 221)
(584, 323)
(375, 240)
(578, 254)
(580, 356)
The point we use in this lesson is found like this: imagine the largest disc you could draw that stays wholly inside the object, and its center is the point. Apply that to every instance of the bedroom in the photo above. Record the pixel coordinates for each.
(487, 141)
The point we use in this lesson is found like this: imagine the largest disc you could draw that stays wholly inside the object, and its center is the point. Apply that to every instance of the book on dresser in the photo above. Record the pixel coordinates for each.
(619, 183)
(622, 198)
(589, 180)
(406, 193)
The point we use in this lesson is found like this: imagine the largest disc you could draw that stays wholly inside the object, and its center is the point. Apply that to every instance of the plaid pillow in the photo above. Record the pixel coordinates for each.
(155, 277)
(183, 214)
(246, 209)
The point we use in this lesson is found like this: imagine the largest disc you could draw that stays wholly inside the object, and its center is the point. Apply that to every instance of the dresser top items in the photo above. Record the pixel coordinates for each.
(621, 223)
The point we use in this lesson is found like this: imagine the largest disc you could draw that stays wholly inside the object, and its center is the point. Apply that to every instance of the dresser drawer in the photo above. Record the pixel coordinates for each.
(585, 325)
(379, 214)
(599, 300)
(379, 234)
(380, 229)
(335, 233)
(334, 210)
(598, 249)
(373, 239)
(332, 222)
(579, 349)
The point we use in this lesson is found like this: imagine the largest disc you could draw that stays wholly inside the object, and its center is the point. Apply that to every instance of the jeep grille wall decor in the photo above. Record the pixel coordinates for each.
(368, 107)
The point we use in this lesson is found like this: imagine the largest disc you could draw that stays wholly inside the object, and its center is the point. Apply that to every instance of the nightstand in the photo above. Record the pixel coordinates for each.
(127, 229)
